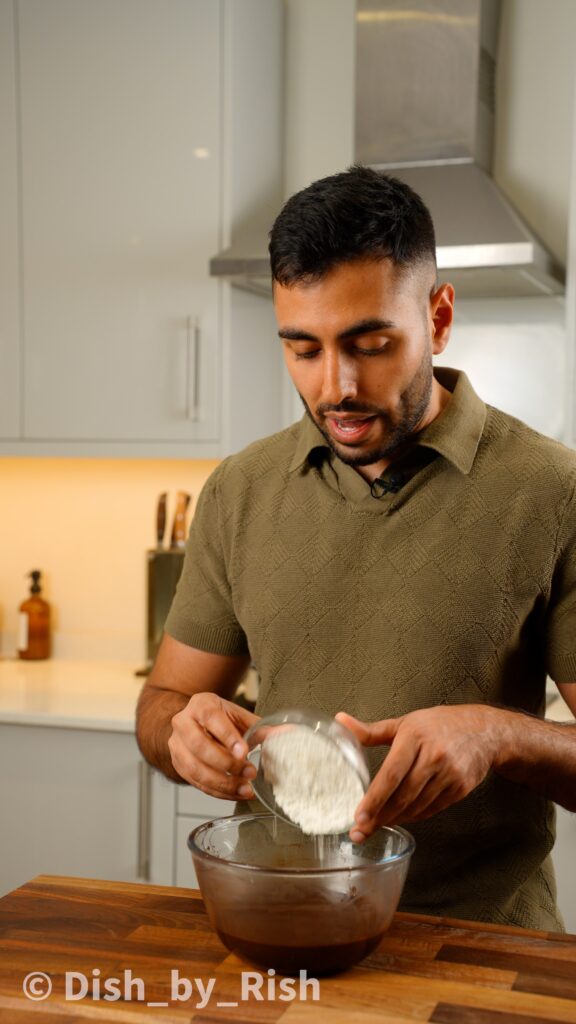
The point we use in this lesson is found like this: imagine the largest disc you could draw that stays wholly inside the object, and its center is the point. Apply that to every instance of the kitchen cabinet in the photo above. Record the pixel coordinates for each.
(75, 795)
(69, 803)
(123, 160)
(174, 811)
(563, 857)
(9, 298)
(565, 845)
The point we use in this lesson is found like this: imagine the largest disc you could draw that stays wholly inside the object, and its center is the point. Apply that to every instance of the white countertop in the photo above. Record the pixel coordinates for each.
(94, 694)
(558, 711)
(71, 694)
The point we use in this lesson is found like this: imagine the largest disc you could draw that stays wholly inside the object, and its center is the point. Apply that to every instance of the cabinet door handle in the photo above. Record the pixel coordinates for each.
(144, 781)
(192, 358)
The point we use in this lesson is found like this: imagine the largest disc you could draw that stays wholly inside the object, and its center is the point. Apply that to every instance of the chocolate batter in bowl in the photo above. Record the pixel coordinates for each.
(283, 899)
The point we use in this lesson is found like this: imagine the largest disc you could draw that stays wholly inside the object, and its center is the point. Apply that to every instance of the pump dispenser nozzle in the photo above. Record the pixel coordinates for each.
(35, 576)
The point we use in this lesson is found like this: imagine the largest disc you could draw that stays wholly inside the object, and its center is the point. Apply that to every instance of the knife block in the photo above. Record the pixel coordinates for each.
(164, 568)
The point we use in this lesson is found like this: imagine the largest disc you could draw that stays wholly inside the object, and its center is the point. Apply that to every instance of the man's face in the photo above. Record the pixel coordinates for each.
(358, 346)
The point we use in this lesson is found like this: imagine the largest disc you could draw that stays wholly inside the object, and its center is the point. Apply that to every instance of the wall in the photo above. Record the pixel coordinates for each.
(87, 523)
(319, 89)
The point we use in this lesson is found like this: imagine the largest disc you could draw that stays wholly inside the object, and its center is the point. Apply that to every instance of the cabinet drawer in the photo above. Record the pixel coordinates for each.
(184, 873)
(190, 800)
(563, 856)
(67, 822)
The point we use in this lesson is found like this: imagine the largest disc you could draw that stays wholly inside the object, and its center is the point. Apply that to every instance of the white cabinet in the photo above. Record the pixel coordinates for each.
(192, 808)
(82, 802)
(119, 106)
(564, 859)
(9, 293)
(69, 804)
(120, 185)
(174, 811)
(184, 873)
(564, 851)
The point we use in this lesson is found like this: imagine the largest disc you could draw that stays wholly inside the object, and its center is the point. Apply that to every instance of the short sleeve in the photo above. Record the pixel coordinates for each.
(202, 612)
(561, 618)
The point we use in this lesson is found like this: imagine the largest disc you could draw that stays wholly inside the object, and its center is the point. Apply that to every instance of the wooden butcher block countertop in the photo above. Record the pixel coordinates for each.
(425, 969)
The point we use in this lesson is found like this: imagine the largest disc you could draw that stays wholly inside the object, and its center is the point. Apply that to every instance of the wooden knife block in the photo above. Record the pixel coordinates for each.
(164, 568)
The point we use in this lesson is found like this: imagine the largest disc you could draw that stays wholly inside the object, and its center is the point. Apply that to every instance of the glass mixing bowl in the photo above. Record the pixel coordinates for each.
(286, 900)
(328, 728)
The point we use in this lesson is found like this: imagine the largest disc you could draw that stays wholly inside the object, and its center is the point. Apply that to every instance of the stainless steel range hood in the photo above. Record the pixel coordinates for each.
(483, 247)
(425, 88)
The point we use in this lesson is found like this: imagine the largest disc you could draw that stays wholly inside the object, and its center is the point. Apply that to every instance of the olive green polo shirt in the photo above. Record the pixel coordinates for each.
(451, 581)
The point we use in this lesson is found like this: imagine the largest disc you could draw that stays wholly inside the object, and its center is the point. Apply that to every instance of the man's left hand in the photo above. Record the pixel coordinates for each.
(437, 756)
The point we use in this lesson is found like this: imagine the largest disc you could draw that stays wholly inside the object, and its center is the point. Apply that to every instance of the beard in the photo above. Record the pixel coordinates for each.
(399, 426)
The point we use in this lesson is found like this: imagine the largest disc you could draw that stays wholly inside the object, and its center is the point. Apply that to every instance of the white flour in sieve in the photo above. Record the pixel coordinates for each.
(313, 783)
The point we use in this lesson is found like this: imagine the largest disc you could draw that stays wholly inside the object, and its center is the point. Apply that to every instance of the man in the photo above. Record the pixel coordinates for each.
(405, 554)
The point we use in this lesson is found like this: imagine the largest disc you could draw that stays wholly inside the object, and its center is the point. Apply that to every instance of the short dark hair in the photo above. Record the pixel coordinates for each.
(357, 214)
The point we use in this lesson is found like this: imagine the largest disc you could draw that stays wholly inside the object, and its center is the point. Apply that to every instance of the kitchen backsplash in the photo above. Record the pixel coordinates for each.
(87, 523)
(515, 353)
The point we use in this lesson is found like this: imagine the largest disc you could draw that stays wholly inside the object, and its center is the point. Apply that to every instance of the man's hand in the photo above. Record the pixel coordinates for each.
(185, 725)
(437, 756)
(207, 748)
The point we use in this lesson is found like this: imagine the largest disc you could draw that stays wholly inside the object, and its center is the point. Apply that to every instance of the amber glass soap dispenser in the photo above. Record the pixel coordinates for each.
(34, 623)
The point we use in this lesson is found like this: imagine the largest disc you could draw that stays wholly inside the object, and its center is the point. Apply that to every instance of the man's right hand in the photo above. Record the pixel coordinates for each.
(185, 725)
(207, 746)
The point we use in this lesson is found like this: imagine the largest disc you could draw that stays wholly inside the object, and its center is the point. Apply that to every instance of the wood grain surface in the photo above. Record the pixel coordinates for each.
(425, 969)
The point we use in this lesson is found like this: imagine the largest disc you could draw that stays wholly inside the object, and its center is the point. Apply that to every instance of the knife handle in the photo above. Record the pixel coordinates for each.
(179, 526)
(161, 520)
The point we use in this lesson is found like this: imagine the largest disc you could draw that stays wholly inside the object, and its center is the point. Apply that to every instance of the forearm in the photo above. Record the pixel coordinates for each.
(540, 755)
(154, 714)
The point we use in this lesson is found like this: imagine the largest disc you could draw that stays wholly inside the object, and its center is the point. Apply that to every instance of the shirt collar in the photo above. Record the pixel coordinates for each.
(455, 433)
